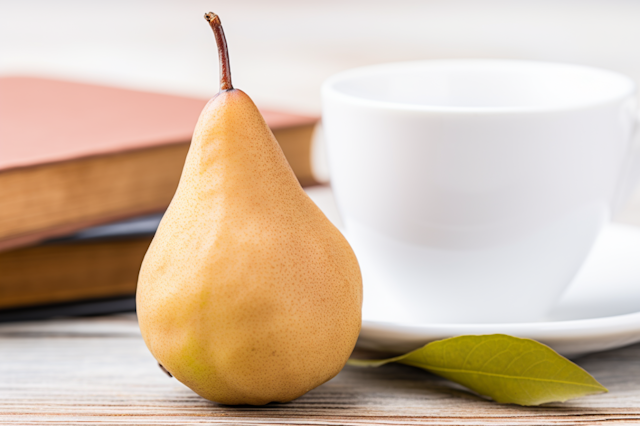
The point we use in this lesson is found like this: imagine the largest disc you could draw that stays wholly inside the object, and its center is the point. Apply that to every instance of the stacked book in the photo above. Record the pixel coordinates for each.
(85, 174)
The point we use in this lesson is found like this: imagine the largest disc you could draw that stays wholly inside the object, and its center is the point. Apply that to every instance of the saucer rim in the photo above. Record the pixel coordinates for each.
(592, 326)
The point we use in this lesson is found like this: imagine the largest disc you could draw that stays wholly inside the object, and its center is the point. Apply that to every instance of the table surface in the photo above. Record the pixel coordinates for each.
(98, 370)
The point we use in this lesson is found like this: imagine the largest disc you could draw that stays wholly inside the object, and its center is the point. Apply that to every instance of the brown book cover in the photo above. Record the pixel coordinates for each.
(74, 155)
(71, 271)
(94, 263)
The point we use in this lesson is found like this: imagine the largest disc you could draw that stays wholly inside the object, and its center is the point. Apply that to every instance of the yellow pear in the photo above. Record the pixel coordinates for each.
(248, 294)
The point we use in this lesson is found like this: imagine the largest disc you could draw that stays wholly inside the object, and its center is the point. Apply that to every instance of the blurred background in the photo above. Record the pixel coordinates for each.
(281, 51)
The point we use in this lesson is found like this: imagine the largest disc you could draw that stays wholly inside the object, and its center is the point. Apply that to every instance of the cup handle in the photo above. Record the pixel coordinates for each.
(630, 174)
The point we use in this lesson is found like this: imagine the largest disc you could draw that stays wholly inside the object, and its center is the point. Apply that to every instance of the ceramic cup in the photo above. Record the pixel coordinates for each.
(473, 190)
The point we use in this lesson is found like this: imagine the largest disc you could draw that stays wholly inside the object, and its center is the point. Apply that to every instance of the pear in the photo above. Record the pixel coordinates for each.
(247, 294)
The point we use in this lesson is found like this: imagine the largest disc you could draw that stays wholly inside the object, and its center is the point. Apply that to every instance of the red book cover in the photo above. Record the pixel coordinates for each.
(74, 155)
(44, 121)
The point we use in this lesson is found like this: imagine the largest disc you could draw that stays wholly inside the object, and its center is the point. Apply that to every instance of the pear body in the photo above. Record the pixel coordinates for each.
(247, 294)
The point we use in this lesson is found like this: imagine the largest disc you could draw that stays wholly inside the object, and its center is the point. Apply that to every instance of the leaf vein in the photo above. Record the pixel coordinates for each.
(534, 364)
(476, 346)
(519, 356)
(505, 376)
(493, 357)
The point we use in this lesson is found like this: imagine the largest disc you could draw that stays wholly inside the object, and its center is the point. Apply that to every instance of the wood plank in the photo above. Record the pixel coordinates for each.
(98, 371)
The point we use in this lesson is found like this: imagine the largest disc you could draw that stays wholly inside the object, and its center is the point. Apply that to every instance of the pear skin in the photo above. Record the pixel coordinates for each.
(248, 294)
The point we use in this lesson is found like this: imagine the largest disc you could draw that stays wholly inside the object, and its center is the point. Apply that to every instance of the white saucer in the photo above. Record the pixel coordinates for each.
(600, 310)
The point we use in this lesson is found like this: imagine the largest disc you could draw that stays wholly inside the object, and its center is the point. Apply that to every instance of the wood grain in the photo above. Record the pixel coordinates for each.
(43, 198)
(98, 371)
(65, 272)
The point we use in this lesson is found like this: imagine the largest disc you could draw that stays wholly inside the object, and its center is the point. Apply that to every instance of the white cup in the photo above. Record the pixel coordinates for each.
(473, 190)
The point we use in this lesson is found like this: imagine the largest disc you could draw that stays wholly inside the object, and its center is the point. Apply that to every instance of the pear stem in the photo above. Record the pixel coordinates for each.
(223, 51)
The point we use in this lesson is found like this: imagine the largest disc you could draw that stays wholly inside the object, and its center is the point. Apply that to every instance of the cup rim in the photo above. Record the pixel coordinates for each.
(329, 87)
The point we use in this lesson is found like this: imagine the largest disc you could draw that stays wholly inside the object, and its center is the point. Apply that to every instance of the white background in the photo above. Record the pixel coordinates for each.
(281, 51)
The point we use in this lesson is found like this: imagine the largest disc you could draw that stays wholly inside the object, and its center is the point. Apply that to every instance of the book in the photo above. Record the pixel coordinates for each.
(75, 155)
(76, 308)
(94, 263)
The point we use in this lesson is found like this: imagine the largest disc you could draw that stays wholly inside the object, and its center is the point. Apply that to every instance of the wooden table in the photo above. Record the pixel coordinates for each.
(98, 371)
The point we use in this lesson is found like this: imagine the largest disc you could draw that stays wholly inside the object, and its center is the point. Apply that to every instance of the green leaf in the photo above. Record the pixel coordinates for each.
(505, 368)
